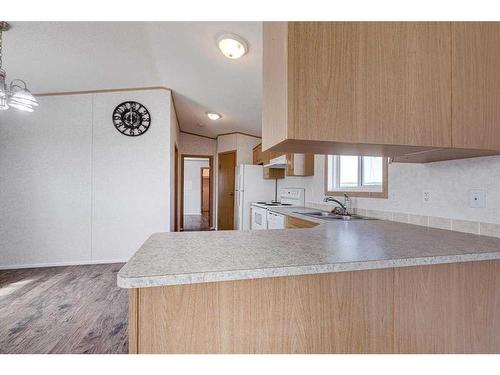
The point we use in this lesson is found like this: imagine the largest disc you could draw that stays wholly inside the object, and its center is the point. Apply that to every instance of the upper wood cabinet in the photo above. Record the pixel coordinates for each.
(301, 165)
(261, 158)
(257, 154)
(476, 84)
(408, 89)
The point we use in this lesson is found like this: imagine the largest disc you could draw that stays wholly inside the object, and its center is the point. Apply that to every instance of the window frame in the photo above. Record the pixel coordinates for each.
(356, 192)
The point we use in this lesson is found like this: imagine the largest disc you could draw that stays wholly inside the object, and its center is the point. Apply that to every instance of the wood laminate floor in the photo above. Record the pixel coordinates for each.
(196, 222)
(74, 309)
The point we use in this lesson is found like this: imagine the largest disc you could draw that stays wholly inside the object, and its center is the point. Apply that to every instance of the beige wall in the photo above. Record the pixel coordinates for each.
(196, 145)
(243, 144)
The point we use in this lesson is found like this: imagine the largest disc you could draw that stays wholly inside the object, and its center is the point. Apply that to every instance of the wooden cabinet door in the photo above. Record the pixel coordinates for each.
(301, 165)
(370, 82)
(293, 222)
(476, 85)
(225, 212)
(257, 155)
(290, 163)
(274, 83)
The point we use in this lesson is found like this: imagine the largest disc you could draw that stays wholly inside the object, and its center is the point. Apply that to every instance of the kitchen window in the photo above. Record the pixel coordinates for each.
(361, 176)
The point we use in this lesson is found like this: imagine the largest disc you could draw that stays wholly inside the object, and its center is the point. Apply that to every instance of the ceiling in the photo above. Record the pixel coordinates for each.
(183, 56)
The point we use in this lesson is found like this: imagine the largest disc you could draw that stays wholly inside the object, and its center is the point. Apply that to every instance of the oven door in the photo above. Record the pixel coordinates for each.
(275, 221)
(259, 218)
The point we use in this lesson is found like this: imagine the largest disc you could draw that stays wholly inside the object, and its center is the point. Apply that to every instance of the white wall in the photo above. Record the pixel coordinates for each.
(449, 183)
(313, 185)
(192, 185)
(131, 177)
(73, 189)
(243, 144)
(197, 145)
(45, 174)
(227, 143)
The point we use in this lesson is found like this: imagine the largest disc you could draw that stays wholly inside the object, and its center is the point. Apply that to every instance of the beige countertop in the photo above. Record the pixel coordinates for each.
(198, 257)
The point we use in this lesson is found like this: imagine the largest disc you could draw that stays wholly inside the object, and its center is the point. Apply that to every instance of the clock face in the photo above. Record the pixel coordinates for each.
(131, 118)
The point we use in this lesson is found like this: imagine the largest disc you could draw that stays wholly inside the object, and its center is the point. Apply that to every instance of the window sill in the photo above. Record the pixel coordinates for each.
(357, 193)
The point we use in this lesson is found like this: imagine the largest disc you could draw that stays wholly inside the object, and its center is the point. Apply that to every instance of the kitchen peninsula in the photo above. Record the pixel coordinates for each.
(368, 286)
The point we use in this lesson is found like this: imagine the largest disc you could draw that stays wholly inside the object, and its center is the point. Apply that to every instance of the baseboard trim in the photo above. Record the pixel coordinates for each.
(61, 264)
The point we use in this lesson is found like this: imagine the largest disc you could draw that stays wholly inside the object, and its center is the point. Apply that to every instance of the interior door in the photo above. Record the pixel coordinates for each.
(205, 191)
(225, 206)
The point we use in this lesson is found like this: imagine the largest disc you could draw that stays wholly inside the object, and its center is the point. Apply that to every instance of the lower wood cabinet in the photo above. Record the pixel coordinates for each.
(293, 222)
(448, 308)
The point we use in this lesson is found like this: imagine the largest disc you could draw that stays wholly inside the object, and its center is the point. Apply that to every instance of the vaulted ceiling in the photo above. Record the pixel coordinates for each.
(183, 56)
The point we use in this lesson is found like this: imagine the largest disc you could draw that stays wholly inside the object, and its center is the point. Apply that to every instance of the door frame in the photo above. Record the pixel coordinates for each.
(176, 188)
(201, 190)
(218, 178)
(210, 203)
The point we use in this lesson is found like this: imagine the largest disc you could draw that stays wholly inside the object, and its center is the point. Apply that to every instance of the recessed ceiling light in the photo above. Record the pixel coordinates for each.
(213, 116)
(232, 46)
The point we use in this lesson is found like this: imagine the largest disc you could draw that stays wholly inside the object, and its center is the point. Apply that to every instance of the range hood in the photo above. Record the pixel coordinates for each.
(277, 163)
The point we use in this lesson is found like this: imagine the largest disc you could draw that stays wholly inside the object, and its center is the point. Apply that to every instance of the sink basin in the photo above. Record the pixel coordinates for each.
(332, 216)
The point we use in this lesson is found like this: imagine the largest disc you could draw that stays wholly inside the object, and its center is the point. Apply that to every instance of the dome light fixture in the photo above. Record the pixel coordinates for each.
(232, 46)
(213, 116)
(16, 94)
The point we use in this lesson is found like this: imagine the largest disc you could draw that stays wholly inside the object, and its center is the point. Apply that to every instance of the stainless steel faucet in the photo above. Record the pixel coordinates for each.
(344, 206)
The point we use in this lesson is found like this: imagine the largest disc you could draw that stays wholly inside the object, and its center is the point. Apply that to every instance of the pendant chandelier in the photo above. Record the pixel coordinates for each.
(16, 94)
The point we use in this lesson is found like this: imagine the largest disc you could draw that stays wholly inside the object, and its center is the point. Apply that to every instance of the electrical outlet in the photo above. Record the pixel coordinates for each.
(477, 198)
(426, 196)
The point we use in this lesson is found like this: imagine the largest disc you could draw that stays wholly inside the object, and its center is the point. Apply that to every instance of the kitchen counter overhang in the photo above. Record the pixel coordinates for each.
(201, 257)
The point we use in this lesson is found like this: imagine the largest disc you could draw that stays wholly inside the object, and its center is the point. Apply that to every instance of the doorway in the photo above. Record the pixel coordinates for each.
(225, 205)
(176, 189)
(196, 211)
(205, 191)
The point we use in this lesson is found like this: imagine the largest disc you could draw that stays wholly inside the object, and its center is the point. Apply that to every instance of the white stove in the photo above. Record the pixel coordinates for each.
(270, 204)
(262, 218)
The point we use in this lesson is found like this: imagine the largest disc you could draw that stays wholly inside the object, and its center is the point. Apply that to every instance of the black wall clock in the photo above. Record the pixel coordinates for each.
(131, 119)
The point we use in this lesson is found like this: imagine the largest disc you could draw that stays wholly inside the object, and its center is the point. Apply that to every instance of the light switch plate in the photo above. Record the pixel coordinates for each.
(426, 196)
(477, 198)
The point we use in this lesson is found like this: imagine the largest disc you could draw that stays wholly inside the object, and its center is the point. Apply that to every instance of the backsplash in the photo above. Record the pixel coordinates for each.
(448, 183)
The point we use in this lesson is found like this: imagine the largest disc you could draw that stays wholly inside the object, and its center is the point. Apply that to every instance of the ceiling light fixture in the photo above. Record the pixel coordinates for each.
(232, 46)
(16, 94)
(213, 116)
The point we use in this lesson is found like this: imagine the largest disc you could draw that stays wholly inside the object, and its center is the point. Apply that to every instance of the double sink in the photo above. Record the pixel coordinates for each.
(332, 216)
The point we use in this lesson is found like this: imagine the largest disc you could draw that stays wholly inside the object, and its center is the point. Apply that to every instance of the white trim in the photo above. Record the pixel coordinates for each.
(61, 264)
(333, 177)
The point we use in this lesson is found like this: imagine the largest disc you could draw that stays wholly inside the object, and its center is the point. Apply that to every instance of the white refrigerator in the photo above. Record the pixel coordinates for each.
(250, 186)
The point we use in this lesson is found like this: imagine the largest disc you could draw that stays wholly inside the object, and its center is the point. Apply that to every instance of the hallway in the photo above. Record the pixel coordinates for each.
(196, 222)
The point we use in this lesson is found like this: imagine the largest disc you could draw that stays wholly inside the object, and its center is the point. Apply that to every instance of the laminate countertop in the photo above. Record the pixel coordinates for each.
(333, 246)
